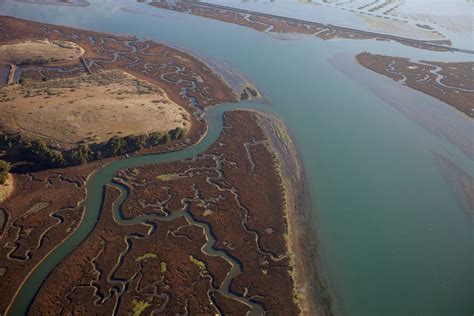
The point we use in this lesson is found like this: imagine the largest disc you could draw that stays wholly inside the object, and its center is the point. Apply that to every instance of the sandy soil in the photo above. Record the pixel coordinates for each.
(6, 190)
(311, 294)
(40, 50)
(386, 25)
(89, 109)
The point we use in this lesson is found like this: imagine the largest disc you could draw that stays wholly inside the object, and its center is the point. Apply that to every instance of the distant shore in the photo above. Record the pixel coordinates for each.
(68, 3)
(265, 22)
(449, 82)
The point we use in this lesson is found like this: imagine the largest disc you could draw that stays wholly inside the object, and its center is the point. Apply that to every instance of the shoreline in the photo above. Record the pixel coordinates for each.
(233, 79)
(64, 193)
(311, 291)
(270, 23)
(435, 116)
(439, 80)
(220, 89)
(254, 274)
(74, 3)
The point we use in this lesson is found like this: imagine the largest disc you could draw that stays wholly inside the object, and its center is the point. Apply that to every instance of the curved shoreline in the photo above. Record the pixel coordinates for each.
(436, 79)
(295, 208)
(311, 292)
(37, 269)
(106, 176)
(325, 31)
(75, 3)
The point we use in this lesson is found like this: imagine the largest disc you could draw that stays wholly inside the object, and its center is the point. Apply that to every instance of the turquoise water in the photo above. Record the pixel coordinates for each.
(395, 239)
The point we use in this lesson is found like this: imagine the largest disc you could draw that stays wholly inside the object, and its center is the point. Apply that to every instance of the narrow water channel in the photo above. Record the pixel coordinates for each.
(395, 238)
(93, 204)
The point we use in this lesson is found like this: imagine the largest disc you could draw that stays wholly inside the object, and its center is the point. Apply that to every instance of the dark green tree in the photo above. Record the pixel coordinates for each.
(4, 169)
(80, 155)
(116, 146)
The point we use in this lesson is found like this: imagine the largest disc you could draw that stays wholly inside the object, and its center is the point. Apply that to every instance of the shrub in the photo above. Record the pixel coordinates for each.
(40, 152)
(155, 138)
(79, 155)
(116, 146)
(135, 143)
(3, 141)
(4, 169)
(3, 177)
(4, 166)
(176, 133)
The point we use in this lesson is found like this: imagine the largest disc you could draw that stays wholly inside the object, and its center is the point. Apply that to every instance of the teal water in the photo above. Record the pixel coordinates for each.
(395, 240)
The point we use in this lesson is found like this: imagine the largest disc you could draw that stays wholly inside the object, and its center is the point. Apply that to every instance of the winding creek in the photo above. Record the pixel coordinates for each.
(93, 203)
(394, 236)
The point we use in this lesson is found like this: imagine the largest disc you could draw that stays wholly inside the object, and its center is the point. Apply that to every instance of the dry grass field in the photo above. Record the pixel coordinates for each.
(88, 109)
(42, 51)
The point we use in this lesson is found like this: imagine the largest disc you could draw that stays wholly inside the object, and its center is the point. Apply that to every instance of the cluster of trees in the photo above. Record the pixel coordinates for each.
(4, 168)
(38, 61)
(40, 152)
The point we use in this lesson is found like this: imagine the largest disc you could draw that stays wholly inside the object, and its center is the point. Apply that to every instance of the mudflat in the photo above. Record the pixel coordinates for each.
(452, 83)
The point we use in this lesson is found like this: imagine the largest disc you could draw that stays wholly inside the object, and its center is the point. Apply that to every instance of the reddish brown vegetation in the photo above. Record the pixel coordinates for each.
(46, 205)
(278, 24)
(146, 60)
(452, 83)
(245, 214)
(44, 209)
(96, 281)
(257, 21)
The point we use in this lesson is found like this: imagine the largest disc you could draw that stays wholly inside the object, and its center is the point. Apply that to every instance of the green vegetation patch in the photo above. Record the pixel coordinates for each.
(282, 135)
(146, 256)
(168, 177)
(139, 307)
(197, 262)
(4, 169)
(164, 267)
(49, 156)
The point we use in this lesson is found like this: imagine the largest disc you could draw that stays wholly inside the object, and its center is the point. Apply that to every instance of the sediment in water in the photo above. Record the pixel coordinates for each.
(311, 293)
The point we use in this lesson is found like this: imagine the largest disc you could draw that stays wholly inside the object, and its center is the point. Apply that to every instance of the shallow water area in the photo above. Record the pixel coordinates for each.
(395, 238)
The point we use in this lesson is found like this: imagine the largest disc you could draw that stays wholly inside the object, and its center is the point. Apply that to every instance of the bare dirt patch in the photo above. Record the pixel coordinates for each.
(40, 51)
(89, 109)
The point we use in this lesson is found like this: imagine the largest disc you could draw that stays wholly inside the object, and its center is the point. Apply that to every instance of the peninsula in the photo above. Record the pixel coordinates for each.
(195, 236)
(270, 23)
(450, 82)
(52, 127)
(189, 235)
